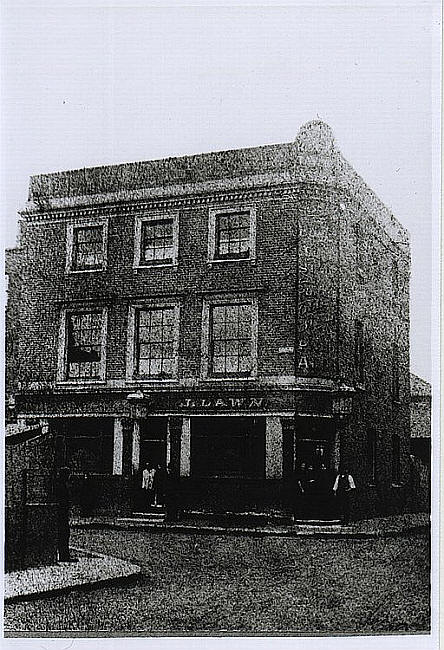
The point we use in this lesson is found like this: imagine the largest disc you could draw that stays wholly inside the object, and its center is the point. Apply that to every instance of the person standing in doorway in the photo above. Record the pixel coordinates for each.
(325, 484)
(311, 500)
(299, 487)
(172, 494)
(343, 487)
(148, 475)
(159, 485)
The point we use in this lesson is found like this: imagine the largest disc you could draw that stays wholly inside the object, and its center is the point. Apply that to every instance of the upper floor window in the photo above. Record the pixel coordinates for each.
(82, 346)
(359, 351)
(156, 240)
(232, 234)
(229, 341)
(86, 247)
(153, 342)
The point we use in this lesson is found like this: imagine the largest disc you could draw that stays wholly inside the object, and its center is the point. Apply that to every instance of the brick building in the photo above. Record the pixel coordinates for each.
(232, 313)
(420, 441)
(420, 418)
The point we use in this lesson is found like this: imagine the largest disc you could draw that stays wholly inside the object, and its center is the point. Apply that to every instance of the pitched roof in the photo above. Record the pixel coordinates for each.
(167, 171)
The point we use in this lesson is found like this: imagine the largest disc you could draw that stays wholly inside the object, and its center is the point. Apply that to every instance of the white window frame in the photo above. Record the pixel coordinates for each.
(155, 216)
(73, 225)
(131, 350)
(228, 299)
(62, 357)
(230, 209)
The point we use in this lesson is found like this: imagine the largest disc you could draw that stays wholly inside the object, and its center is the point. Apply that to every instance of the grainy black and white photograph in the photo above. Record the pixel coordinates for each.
(220, 232)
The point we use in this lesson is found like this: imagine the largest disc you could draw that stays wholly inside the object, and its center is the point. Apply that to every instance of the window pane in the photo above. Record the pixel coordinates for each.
(232, 364)
(244, 348)
(73, 370)
(155, 367)
(167, 367)
(232, 348)
(144, 351)
(219, 365)
(245, 364)
(144, 366)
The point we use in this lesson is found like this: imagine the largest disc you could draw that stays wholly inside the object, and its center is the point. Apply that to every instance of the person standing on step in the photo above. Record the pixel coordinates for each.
(299, 496)
(311, 496)
(343, 487)
(148, 475)
(171, 494)
(325, 484)
(159, 485)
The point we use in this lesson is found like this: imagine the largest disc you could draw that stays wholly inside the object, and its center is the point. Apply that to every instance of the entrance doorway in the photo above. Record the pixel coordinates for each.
(149, 495)
(314, 466)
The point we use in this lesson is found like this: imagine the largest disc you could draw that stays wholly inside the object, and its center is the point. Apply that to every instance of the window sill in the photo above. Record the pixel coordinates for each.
(78, 271)
(224, 260)
(80, 383)
(143, 267)
(226, 379)
(135, 381)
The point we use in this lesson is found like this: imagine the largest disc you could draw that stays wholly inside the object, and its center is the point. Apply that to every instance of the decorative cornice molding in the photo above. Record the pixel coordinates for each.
(174, 197)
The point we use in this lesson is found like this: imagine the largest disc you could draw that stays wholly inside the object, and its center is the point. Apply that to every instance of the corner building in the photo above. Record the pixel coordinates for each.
(234, 314)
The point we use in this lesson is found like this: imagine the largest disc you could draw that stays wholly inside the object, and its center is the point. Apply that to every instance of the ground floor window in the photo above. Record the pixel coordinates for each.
(89, 445)
(228, 447)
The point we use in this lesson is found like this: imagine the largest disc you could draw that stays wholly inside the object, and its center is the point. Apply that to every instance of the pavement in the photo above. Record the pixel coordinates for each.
(91, 569)
(96, 569)
(365, 529)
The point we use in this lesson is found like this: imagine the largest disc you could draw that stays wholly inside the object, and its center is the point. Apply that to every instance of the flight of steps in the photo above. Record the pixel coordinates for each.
(154, 516)
(317, 522)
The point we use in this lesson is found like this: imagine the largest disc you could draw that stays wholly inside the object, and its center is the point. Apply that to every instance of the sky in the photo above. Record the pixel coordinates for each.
(87, 84)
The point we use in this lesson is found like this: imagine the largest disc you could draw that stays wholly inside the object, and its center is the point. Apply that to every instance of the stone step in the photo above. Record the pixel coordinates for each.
(317, 522)
(151, 515)
(140, 520)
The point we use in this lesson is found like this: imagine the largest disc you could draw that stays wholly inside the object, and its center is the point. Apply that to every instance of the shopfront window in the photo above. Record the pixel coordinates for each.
(228, 447)
(89, 445)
